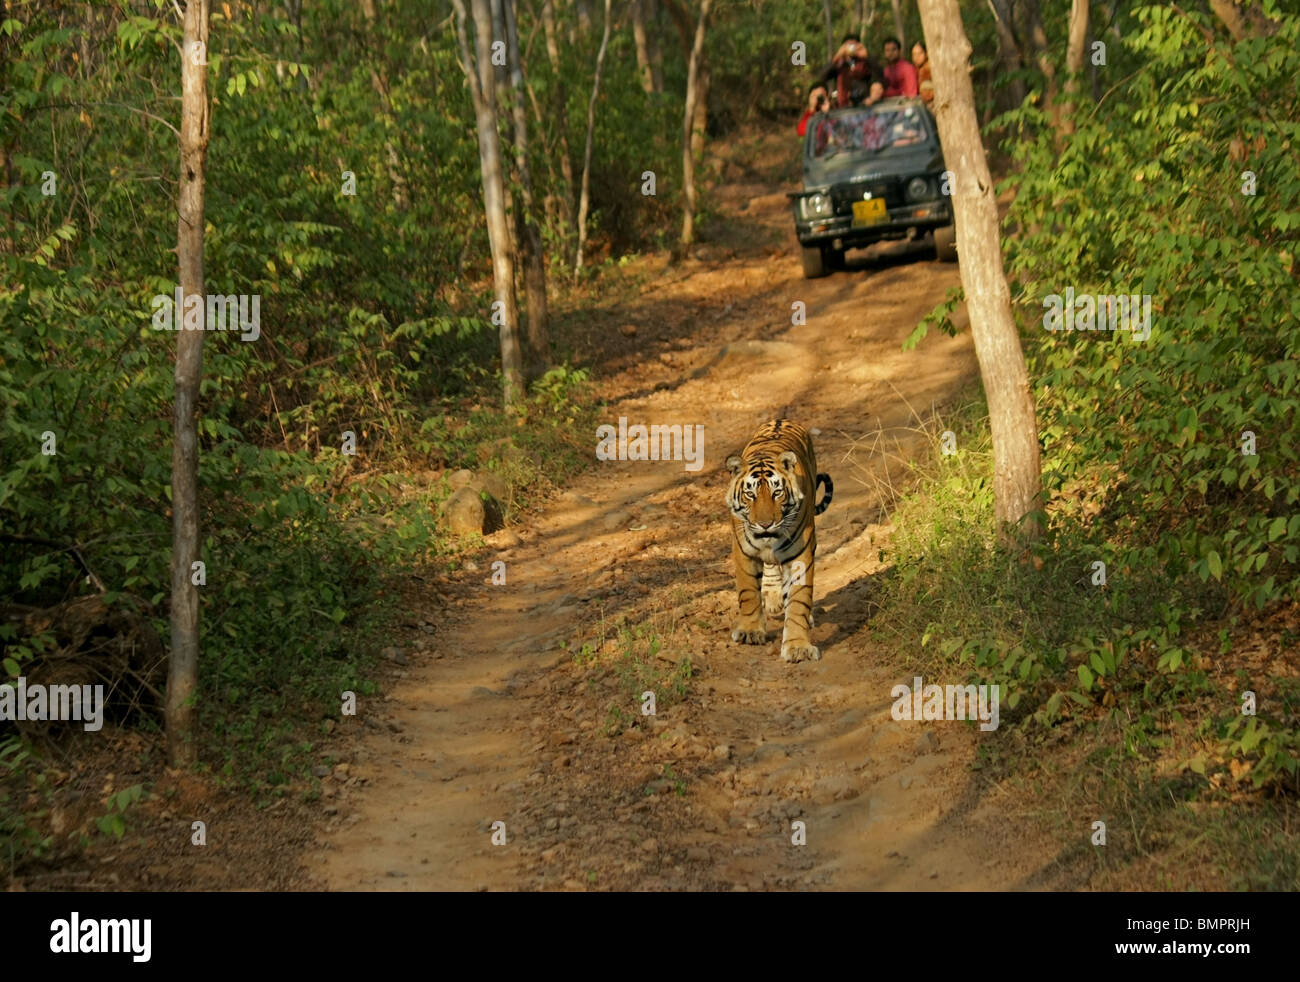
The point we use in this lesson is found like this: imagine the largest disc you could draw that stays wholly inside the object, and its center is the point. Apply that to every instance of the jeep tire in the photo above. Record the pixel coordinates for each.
(945, 244)
(814, 262)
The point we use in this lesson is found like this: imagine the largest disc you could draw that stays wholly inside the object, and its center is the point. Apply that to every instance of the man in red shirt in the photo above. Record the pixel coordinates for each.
(900, 75)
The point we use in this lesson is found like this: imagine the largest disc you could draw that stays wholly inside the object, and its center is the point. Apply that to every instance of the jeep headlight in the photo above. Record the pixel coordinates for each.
(918, 188)
(816, 205)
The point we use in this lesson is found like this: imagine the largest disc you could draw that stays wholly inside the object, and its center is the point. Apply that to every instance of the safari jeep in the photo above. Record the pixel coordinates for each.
(871, 173)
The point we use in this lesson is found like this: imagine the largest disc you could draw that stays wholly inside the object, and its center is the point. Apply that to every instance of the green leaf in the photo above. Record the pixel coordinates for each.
(113, 825)
(1277, 529)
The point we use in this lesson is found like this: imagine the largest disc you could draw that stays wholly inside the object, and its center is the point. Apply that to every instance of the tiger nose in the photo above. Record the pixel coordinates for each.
(766, 525)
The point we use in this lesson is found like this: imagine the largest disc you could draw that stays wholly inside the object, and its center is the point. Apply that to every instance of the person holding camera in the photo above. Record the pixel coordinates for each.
(856, 76)
(818, 102)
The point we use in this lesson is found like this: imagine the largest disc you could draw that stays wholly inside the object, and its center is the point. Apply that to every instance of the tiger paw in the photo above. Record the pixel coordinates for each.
(749, 635)
(800, 652)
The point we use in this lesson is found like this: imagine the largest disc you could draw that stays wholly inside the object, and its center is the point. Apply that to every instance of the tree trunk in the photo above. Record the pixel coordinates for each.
(500, 73)
(652, 43)
(183, 665)
(1037, 39)
(1008, 51)
(686, 33)
(1230, 14)
(641, 37)
(1242, 24)
(1074, 62)
(1112, 23)
(866, 16)
(688, 120)
(700, 120)
(1094, 78)
(503, 104)
(830, 29)
(379, 82)
(899, 24)
(1016, 475)
(530, 240)
(560, 110)
(479, 74)
(584, 200)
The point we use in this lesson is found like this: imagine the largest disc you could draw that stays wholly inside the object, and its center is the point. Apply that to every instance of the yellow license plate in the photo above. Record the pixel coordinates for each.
(869, 212)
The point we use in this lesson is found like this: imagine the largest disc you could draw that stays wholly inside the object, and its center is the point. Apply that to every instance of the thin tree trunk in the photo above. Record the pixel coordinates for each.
(530, 240)
(1016, 468)
(501, 72)
(1094, 78)
(641, 37)
(479, 74)
(379, 82)
(559, 108)
(1074, 62)
(686, 32)
(652, 43)
(1008, 51)
(899, 24)
(700, 122)
(504, 110)
(1112, 21)
(183, 665)
(830, 29)
(550, 201)
(1037, 39)
(688, 119)
(866, 16)
(585, 199)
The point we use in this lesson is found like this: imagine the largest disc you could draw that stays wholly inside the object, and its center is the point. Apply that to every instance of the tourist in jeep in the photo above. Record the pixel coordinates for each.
(818, 102)
(899, 74)
(856, 77)
(924, 80)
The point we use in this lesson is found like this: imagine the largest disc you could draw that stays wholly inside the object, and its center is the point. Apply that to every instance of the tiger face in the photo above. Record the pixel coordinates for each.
(766, 498)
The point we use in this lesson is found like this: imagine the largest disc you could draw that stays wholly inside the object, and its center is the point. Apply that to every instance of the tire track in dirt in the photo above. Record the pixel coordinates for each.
(496, 722)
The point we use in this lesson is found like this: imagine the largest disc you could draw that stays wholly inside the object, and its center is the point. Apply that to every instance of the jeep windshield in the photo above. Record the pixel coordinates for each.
(866, 129)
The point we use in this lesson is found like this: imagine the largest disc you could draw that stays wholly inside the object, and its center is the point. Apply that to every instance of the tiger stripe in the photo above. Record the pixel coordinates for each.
(774, 540)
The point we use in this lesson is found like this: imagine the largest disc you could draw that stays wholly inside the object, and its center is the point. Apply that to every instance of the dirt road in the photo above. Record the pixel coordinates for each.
(494, 721)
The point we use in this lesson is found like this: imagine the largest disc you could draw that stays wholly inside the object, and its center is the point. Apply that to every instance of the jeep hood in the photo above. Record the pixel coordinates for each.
(860, 165)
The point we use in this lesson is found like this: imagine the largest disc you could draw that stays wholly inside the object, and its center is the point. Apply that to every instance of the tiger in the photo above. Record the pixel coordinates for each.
(773, 488)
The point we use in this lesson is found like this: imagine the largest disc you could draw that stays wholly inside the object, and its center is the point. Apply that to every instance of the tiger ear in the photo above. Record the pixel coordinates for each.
(788, 460)
(734, 462)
